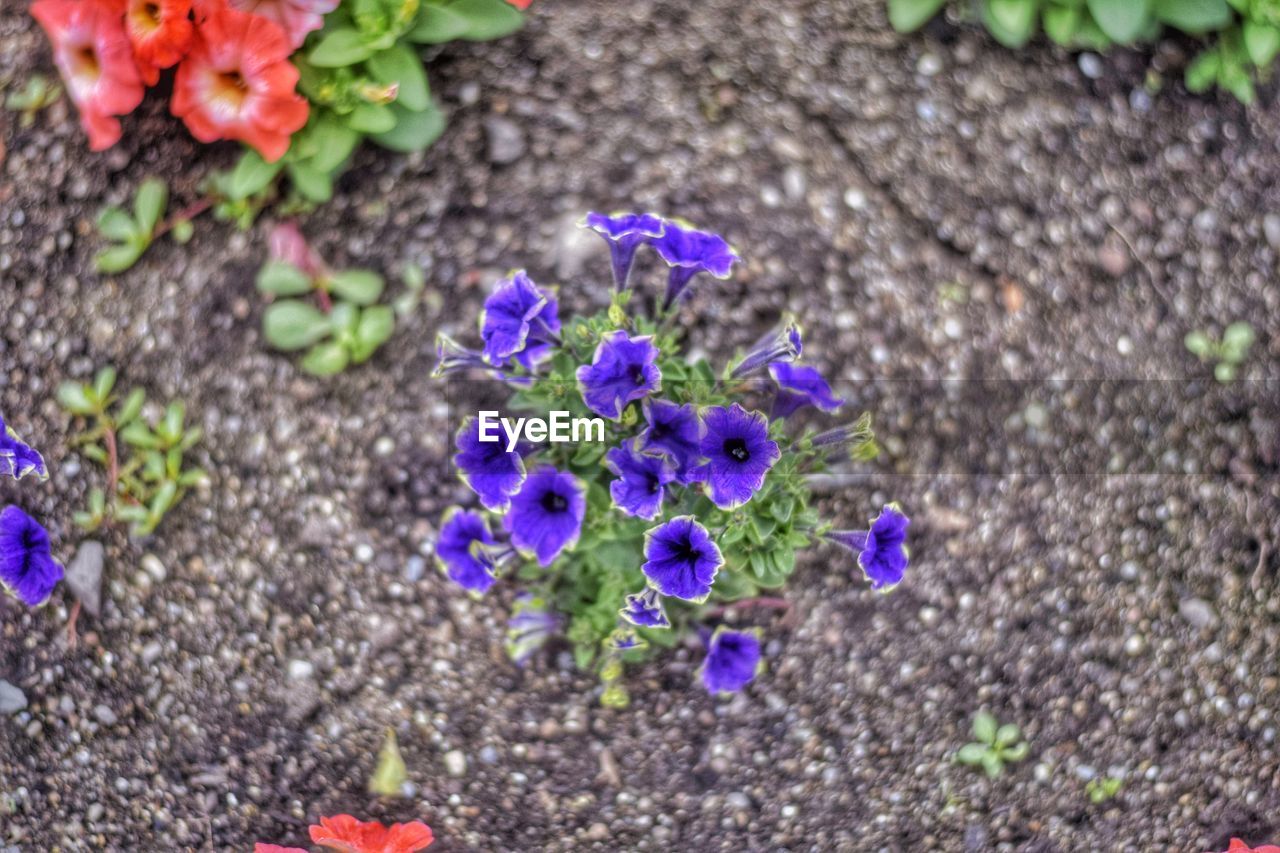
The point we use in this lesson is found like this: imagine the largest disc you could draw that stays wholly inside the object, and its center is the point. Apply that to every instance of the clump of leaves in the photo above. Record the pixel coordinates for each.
(994, 745)
(132, 233)
(150, 476)
(332, 314)
(1245, 33)
(1099, 790)
(1226, 355)
(39, 93)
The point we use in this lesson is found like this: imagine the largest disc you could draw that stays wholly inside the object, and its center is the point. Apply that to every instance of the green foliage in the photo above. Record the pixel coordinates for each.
(146, 472)
(1100, 790)
(365, 80)
(39, 93)
(131, 233)
(1244, 34)
(340, 325)
(994, 745)
(1226, 355)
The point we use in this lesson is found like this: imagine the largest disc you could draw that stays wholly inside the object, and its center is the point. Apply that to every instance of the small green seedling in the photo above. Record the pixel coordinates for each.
(390, 774)
(151, 478)
(132, 234)
(1103, 789)
(1226, 355)
(39, 93)
(994, 747)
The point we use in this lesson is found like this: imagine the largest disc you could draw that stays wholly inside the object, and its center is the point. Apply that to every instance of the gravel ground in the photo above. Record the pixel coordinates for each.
(931, 206)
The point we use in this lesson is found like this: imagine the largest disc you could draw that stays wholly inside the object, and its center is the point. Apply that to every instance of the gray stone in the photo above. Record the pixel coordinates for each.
(1271, 228)
(105, 715)
(506, 141)
(12, 699)
(1198, 612)
(84, 575)
(455, 763)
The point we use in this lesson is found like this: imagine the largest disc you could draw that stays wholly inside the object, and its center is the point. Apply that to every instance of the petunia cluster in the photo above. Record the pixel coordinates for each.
(697, 498)
(28, 571)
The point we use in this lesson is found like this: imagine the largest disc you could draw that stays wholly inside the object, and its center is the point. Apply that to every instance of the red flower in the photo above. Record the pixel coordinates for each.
(1238, 846)
(237, 82)
(95, 59)
(161, 33)
(295, 17)
(275, 848)
(520, 4)
(348, 835)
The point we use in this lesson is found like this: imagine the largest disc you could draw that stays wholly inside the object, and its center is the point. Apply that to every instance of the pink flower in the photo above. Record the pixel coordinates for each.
(275, 848)
(1238, 846)
(295, 17)
(95, 58)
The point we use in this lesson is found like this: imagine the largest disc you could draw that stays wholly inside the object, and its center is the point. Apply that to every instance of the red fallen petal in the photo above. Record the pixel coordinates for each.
(275, 848)
(346, 834)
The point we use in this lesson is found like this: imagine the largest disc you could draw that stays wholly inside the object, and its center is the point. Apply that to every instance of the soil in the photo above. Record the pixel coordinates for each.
(930, 206)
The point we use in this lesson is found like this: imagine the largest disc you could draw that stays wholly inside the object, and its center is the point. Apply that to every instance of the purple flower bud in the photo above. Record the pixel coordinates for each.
(626, 232)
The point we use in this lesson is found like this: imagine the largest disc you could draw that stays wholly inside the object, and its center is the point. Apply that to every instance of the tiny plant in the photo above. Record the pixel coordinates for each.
(1102, 789)
(332, 314)
(39, 93)
(390, 774)
(148, 480)
(994, 745)
(1226, 355)
(131, 234)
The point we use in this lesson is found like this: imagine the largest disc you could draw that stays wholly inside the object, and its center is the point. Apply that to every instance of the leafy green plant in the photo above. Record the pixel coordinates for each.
(332, 314)
(1226, 355)
(994, 745)
(151, 478)
(132, 233)
(39, 93)
(1099, 790)
(365, 80)
(1245, 33)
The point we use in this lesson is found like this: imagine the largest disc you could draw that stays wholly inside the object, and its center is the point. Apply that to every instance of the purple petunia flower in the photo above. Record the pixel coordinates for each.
(492, 473)
(17, 459)
(739, 454)
(642, 480)
(530, 626)
(520, 322)
(27, 569)
(733, 659)
(781, 345)
(623, 369)
(680, 560)
(459, 550)
(674, 430)
(645, 610)
(800, 385)
(625, 639)
(546, 516)
(688, 252)
(626, 232)
(882, 550)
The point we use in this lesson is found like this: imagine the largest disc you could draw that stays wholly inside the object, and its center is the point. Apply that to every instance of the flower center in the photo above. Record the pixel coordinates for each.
(232, 86)
(637, 375)
(736, 448)
(85, 61)
(553, 502)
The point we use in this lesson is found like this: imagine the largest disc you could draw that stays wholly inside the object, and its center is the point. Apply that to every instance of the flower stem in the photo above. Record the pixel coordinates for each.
(189, 212)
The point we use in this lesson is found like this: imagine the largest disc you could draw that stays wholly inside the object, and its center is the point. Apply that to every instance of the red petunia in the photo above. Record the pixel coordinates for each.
(161, 34)
(275, 848)
(520, 4)
(1238, 846)
(348, 835)
(238, 83)
(295, 17)
(94, 56)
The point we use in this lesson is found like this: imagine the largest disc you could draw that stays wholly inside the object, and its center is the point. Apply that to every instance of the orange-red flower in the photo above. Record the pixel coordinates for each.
(95, 59)
(348, 835)
(520, 4)
(1238, 846)
(161, 33)
(275, 848)
(295, 17)
(238, 83)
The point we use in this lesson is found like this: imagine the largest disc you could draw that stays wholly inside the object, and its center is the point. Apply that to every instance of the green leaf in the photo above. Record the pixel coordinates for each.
(1061, 23)
(1193, 16)
(390, 773)
(401, 66)
(104, 383)
(1121, 20)
(984, 727)
(183, 231)
(325, 359)
(1236, 80)
(137, 434)
(131, 408)
(1016, 753)
(1011, 22)
(363, 287)
(170, 427)
(487, 19)
(343, 46)
(1008, 734)
(251, 175)
(972, 753)
(910, 15)
(1262, 41)
(116, 225)
(436, 25)
(372, 118)
(375, 327)
(292, 325)
(312, 184)
(992, 764)
(334, 143)
(413, 131)
(281, 278)
(1224, 372)
(119, 258)
(163, 501)
(1201, 74)
(1236, 341)
(74, 397)
(149, 204)
(343, 318)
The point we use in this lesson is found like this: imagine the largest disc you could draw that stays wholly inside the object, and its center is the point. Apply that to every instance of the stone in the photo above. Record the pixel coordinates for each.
(455, 763)
(1198, 612)
(84, 575)
(12, 699)
(506, 141)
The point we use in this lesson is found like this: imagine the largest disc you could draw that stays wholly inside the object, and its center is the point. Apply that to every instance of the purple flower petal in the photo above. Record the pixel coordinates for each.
(739, 454)
(674, 430)
(17, 459)
(492, 472)
(681, 560)
(623, 369)
(688, 252)
(733, 659)
(530, 626)
(27, 569)
(626, 232)
(642, 480)
(645, 610)
(546, 516)
(519, 323)
(882, 550)
(460, 531)
(800, 385)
